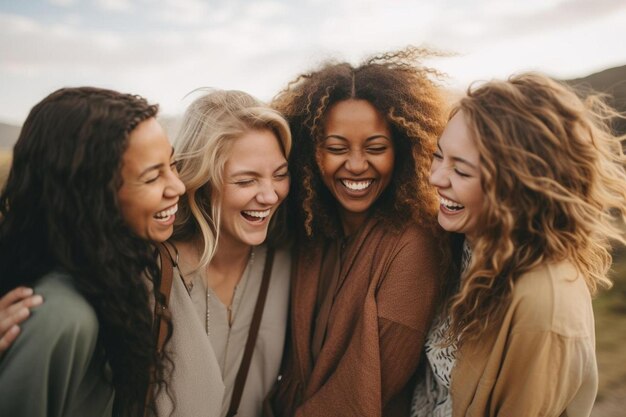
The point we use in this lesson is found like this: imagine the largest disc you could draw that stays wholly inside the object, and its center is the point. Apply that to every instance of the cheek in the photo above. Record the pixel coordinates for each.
(134, 217)
(128, 208)
(386, 165)
(282, 189)
(475, 194)
(320, 161)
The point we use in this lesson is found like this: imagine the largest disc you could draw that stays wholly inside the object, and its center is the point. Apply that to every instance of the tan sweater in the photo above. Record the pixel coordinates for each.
(541, 360)
(381, 311)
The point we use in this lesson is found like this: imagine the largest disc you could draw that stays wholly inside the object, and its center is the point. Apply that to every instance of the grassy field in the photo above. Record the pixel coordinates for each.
(5, 164)
(610, 312)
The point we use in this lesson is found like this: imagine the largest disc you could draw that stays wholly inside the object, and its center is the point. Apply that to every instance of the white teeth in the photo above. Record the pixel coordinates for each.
(356, 185)
(167, 213)
(450, 204)
(255, 213)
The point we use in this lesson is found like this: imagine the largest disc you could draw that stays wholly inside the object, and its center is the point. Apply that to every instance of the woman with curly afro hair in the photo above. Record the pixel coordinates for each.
(366, 263)
(532, 182)
(90, 190)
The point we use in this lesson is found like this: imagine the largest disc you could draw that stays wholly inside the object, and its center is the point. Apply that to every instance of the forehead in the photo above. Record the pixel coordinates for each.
(253, 150)
(354, 116)
(147, 144)
(457, 139)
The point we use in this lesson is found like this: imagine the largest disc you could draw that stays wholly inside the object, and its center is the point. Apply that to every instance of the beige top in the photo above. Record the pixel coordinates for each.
(541, 360)
(228, 341)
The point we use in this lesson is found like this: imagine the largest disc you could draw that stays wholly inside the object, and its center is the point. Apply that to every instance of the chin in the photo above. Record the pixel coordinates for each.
(254, 240)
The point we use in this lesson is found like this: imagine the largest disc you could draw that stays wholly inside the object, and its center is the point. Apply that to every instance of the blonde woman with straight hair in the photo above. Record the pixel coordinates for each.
(532, 183)
(232, 151)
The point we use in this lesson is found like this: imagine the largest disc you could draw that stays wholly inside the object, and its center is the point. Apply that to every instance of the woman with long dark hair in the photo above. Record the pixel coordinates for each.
(91, 187)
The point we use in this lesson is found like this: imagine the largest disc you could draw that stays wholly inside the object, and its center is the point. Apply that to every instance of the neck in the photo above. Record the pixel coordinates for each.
(470, 241)
(350, 222)
(230, 256)
(226, 268)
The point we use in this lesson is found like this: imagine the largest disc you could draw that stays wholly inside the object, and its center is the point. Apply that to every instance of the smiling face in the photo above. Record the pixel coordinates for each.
(356, 158)
(150, 187)
(256, 181)
(455, 172)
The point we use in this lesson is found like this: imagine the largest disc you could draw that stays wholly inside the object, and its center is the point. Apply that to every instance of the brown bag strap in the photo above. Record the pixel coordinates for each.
(160, 309)
(167, 274)
(242, 374)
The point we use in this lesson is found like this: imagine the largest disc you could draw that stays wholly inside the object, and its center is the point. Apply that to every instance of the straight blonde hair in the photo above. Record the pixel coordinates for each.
(210, 125)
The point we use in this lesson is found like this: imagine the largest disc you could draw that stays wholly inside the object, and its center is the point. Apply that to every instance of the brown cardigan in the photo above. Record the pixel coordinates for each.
(376, 328)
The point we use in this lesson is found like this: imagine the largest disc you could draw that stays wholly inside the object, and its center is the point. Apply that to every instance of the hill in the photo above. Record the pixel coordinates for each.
(8, 135)
(612, 82)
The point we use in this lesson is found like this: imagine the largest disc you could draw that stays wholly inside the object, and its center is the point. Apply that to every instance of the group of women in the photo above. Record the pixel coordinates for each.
(415, 268)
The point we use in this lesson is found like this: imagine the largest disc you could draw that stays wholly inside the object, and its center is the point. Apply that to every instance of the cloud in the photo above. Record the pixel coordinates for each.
(62, 3)
(115, 5)
(174, 46)
(190, 12)
(494, 20)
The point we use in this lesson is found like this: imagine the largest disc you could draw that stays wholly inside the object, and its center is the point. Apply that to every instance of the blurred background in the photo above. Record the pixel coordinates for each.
(164, 49)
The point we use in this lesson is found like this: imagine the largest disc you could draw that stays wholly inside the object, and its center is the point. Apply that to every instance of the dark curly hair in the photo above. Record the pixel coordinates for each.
(59, 211)
(404, 92)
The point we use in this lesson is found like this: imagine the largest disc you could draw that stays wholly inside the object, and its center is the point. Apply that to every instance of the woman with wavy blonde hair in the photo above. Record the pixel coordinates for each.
(232, 151)
(532, 179)
(367, 264)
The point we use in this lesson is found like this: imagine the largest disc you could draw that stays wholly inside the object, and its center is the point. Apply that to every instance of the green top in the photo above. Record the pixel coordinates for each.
(52, 369)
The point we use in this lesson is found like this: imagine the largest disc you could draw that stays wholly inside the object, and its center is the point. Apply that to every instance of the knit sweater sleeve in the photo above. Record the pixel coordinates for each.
(406, 302)
(376, 367)
(546, 382)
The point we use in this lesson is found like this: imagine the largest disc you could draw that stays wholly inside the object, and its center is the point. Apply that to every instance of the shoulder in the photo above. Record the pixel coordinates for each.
(64, 311)
(63, 330)
(412, 245)
(282, 257)
(409, 234)
(553, 297)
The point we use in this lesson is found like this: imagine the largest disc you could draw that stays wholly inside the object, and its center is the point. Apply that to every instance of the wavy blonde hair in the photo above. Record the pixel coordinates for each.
(406, 94)
(554, 185)
(210, 125)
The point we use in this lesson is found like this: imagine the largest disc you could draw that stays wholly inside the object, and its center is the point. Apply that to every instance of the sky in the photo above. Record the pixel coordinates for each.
(163, 49)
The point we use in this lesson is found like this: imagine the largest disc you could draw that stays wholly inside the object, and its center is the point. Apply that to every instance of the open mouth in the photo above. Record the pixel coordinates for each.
(256, 216)
(356, 185)
(449, 205)
(166, 215)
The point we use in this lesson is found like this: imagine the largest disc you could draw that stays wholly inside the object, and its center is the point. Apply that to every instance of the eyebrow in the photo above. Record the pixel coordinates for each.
(254, 173)
(333, 136)
(459, 159)
(156, 166)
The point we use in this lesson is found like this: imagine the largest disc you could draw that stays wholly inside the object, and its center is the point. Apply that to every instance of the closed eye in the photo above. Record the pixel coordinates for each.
(336, 149)
(282, 174)
(377, 149)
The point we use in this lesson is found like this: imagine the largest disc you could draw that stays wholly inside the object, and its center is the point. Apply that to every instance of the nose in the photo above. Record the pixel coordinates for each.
(356, 162)
(267, 193)
(175, 186)
(438, 175)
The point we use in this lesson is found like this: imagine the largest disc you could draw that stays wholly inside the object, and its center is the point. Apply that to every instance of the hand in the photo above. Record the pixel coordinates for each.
(15, 308)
